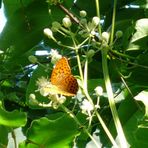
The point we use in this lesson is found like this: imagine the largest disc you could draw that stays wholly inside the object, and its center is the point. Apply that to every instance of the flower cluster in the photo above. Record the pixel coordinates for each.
(55, 56)
(46, 89)
(88, 31)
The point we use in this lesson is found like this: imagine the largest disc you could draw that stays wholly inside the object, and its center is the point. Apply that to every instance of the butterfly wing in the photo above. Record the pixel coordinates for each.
(61, 70)
(62, 78)
(69, 84)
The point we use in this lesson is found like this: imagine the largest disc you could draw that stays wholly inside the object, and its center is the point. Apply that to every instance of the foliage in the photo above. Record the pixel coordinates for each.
(107, 44)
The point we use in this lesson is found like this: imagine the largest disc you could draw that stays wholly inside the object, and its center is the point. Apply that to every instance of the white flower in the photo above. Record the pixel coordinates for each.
(56, 100)
(55, 56)
(43, 86)
(86, 107)
(61, 99)
(42, 82)
(47, 89)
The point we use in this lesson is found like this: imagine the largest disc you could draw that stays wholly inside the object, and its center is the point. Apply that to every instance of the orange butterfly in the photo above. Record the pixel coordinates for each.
(63, 81)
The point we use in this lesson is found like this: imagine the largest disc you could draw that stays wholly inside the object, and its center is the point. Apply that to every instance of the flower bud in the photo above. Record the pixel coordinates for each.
(83, 21)
(83, 13)
(32, 99)
(56, 26)
(99, 91)
(105, 36)
(95, 20)
(32, 59)
(90, 53)
(1, 52)
(32, 96)
(49, 11)
(66, 22)
(119, 34)
(48, 33)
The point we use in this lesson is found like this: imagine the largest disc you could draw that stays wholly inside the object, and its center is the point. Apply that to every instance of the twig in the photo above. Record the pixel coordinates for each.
(69, 14)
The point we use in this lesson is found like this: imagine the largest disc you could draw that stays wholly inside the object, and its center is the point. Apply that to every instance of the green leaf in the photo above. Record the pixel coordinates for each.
(12, 6)
(24, 29)
(136, 130)
(140, 38)
(142, 137)
(4, 135)
(51, 133)
(143, 96)
(12, 119)
(55, 10)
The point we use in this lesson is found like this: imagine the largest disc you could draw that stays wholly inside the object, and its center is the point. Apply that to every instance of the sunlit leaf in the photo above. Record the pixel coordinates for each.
(51, 133)
(143, 96)
(139, 39)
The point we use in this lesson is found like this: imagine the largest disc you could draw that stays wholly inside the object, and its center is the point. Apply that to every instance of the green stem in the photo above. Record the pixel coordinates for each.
(79, 124)
(78, 58)
(106, 129)
(101, 121)
(95, 110)
(122, 139)
(80, 68)
(85, 74)
(98, 14)
(121, 54)
(83, 42)
(113, 22)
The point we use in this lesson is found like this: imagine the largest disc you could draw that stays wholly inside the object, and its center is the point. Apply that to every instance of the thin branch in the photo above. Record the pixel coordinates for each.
(69, 14)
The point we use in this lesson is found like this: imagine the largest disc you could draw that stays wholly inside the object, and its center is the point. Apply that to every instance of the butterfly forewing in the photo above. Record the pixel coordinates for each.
(61, 70)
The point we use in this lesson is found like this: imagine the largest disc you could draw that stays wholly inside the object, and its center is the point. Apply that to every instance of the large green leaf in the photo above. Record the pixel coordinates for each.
(51, 133)
(24, 29)
(12, 119)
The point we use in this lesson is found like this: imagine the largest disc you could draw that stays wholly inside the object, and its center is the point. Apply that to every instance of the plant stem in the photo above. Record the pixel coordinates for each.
(95, 110)
(85, 74)
(78, 58)
(113, 22)
(14, 138)
(122, 54)
(98, 14)
(122, 139)
(102, 122)
(69, 14)
(79, 124)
